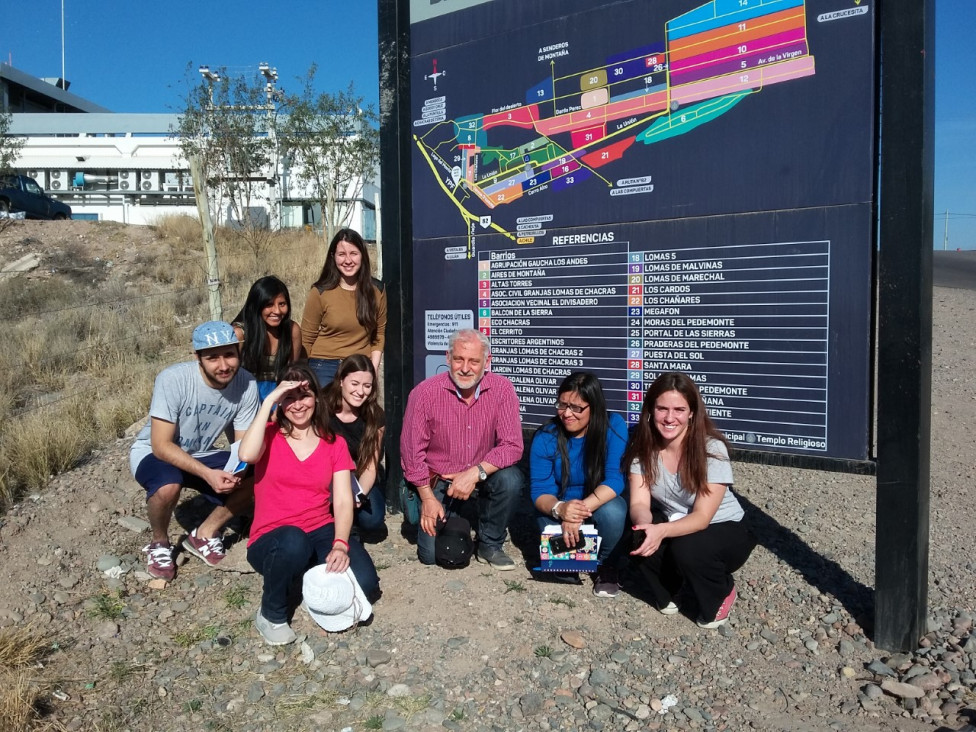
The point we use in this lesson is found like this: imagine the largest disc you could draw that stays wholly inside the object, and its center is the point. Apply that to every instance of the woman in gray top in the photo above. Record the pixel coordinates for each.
(687, 523)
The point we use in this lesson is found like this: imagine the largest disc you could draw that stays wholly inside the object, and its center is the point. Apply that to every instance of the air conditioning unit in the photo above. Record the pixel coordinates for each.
(40, 176)
(171, 181)
(59, 180)
(128, 180)
(148, 180)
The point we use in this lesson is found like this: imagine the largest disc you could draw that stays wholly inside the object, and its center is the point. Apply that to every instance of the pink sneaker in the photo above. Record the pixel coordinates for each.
(724, 610)
(209, 550)
(159, 560)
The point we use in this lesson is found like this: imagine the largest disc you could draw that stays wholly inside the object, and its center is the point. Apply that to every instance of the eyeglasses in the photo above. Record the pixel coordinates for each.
(574, 408)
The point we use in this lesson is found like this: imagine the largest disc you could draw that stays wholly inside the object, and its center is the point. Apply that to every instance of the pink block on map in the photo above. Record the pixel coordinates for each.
(740, 63)
(653, 102)
(588, 135)
(733, 83)
(594, 98)
(518, 117)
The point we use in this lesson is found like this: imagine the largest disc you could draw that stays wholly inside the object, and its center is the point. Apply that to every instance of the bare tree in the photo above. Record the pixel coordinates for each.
(9, 145)
(228, 126)
(333, 142)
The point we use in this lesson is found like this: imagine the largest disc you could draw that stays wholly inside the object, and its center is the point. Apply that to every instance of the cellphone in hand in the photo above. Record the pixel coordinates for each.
(558, 545)
(638, 538)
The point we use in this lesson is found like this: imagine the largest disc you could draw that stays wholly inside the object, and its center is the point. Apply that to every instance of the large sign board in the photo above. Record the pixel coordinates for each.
(635, 187)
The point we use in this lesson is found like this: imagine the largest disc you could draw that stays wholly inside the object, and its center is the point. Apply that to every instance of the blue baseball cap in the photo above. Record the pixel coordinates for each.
(213, 334)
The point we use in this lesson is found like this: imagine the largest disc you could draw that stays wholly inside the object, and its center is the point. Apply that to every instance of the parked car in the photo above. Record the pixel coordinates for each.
(18, 193)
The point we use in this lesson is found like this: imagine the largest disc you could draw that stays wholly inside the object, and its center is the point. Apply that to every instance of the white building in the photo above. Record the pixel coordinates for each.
(128, 167)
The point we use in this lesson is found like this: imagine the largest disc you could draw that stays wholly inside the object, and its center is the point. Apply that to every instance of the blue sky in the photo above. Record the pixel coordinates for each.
(955, 124)
(132, 57)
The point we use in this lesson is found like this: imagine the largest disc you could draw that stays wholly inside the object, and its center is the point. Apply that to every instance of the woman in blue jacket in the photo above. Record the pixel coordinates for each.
(575, 472)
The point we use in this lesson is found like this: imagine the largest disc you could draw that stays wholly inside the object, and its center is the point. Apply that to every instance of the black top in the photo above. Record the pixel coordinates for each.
(351, 432)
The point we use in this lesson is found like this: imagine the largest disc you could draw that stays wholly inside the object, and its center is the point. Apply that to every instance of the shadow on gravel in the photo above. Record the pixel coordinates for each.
(819, 571)
(969, 717)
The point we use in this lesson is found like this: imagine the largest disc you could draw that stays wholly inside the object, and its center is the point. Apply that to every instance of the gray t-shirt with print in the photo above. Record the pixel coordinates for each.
(677, 502)
(201, 414)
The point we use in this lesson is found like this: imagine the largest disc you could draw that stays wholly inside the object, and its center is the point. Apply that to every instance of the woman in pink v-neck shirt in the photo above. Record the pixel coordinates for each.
(298, 521)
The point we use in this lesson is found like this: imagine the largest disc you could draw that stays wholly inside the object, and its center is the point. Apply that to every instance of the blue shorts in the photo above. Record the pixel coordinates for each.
(153, 473)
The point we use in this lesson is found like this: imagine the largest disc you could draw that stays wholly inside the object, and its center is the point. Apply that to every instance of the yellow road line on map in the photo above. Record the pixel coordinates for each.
(467, 215)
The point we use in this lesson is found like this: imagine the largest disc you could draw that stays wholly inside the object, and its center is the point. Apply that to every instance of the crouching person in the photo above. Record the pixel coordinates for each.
(462, 437)
(303, 506)
(193, 403)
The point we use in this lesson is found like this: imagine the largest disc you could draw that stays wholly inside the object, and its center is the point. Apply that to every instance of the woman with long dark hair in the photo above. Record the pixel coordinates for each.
(358, 418)
(574, 465)
(345, 312)
(303, 501)
(271, 339)
(681, 504)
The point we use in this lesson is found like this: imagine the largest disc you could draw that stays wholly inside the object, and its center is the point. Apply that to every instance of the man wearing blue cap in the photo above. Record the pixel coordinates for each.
(193, 403)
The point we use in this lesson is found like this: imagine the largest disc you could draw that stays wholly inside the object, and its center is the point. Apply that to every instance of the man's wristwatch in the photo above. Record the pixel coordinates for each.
(482, 475)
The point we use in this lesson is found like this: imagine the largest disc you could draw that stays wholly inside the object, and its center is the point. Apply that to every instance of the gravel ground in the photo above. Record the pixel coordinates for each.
(478, 650)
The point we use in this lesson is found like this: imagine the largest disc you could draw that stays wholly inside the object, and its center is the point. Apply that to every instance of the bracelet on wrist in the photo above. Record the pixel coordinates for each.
(341, 541)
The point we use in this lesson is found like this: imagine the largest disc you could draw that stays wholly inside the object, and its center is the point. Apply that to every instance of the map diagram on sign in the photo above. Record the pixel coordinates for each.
(575, 123)
(628, 187)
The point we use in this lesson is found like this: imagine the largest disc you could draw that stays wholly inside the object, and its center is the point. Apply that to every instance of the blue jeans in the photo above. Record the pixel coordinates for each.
(324, 369)
(610, 520)
(497, 498)
(282, 557)
(371, 514)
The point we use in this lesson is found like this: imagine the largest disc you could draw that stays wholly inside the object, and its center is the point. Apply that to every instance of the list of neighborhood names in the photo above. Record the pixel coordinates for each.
(748, 323)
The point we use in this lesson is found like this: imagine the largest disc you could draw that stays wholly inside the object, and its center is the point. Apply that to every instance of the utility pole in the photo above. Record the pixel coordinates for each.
(63, 81)
(945, 237)
(272, 95)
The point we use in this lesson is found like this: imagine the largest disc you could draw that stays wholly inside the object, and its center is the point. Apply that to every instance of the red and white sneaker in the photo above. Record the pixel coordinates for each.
(210, 551)
(724, 610)
(159, 560)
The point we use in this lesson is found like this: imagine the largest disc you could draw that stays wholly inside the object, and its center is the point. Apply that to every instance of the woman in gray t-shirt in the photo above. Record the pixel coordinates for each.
(687, 522)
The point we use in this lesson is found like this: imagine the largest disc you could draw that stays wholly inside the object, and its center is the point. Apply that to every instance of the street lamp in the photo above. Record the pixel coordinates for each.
(272, 95)
(209, 75)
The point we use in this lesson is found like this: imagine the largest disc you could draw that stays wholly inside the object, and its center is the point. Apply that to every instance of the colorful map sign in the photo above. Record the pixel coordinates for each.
(635, 187)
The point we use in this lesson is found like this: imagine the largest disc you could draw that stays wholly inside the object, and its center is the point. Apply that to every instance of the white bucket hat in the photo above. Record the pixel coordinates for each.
(334, 599)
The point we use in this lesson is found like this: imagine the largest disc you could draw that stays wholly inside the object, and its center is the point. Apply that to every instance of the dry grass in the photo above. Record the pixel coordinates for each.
(18, 701)
(181, 233)
(22, 647)
(22, 693)
(82, 347)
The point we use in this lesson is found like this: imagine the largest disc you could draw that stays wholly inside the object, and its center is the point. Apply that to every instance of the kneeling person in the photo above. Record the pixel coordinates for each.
(193, 403)
(574, 464)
